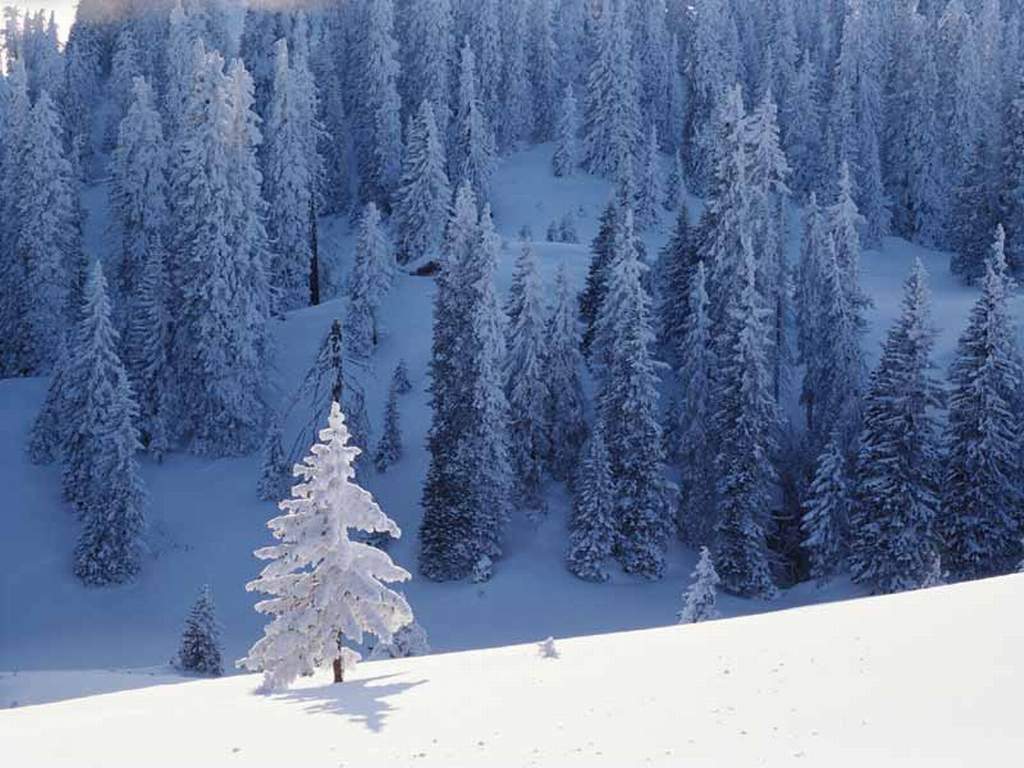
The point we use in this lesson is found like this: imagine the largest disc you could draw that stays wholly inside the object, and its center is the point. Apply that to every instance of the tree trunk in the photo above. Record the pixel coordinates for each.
(339, 671)
(314, 260)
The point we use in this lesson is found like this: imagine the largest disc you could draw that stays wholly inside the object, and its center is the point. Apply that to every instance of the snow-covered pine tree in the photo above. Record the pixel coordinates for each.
(542, 62)
(676, 266)
(768, 173)
(323, 587)
(138, 193)
(49, 431)
(485, 453)
(389, 449)
(427, 57)
(592, 527)
(981, 516)
(699, 600)
(421, 201)
(648, 192)
(275, 471)
(15, 337)
(975, 210)
(400, 378)
(218, 241)
(611, 126)
(845, 223)
(525, 385)
(124, 68)
(628, 404)
(565, 424)
(48, 239)
(147, 346)
(675, 185)
(1012, 182)
(373, 273)
(596, 286)
(745, 420)
(802, 137)
(410, 640)
(696, 449)
(291, 181)
(516, 97)
(378, 118)
(826, 513)
(471, 157)
(101, 476)
(446, 551)
(892, 536)
(200, 640)
(327, 381)
(567, 153)
(177, 67)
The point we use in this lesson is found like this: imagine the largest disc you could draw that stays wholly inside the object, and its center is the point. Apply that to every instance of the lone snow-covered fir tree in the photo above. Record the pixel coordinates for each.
(324, 588)
(200, 642)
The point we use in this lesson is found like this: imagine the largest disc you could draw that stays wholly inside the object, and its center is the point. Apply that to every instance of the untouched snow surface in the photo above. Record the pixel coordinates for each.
(205, 519)
(928, 678)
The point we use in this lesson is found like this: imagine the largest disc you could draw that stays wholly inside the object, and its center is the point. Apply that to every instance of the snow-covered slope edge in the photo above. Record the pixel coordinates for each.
(923, 678)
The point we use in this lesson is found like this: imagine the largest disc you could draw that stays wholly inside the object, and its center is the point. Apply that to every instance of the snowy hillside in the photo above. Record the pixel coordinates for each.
(205, 519)
(926, 678)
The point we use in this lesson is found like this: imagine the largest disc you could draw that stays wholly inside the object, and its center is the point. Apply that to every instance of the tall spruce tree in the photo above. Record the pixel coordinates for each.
(628, 405)
(892, 527)
(745, 420)
(565, 423)
(826, 513)
(566, 156)
(592, 527)
(423, 193)
(471, 157)
(982, 514)
(526, 387)
(101, 475)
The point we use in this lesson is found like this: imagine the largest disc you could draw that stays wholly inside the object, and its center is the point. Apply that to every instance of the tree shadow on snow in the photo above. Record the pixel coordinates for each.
(362, 701)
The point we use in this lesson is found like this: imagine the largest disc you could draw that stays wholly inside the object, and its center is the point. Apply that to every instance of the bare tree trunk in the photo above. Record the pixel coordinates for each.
(314, 261)
(339, 671)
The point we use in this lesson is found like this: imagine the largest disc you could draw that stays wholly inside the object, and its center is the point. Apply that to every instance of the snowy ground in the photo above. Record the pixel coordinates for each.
(929, 678)
(205, 519)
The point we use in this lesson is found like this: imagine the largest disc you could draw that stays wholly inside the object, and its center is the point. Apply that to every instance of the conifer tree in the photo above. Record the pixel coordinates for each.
(892, 527)
(373, 273)
(485, 452)
(677, 265)
(400, 379)
(200, 641)
(566, 156)
(292, 178)
(275, 471)
(675, 184)
(147, 346)
(472, 145)
(101, 476)
(324, 590)
(379, 135)
(542, 62)
(514, 121)
(327, 381)
(525, 385)
(564, 410)
(592, 528)
(612, 120)
(138, 195)
(422, 198)
(628, 407)
(49, 432)
(974, 213)
(218, 241)
(745, 421)
(427, 59)
(648, 193)
(826, 516)
(981, 516)
(124, 68)
(47, 241)
(699, 600)
(696, 450)
(802, 136)
(389, 449)
(446, 551)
